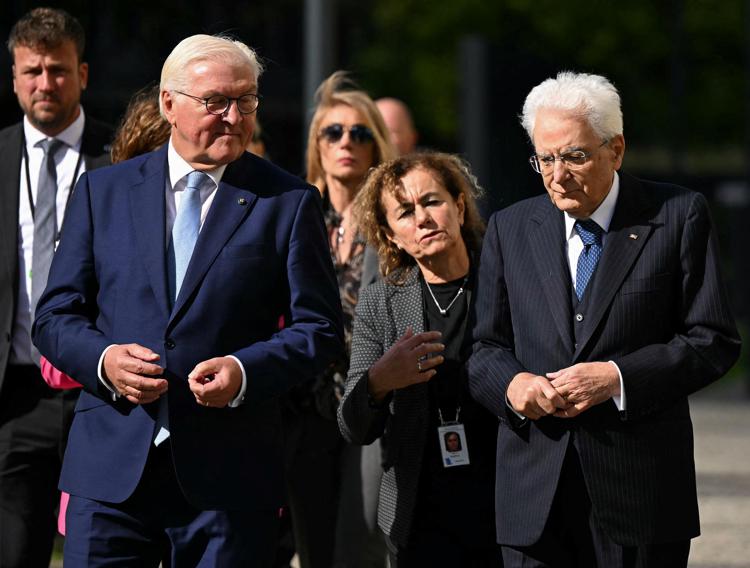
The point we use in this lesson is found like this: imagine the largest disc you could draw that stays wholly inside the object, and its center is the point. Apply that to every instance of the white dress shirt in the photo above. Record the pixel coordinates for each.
(66, 160)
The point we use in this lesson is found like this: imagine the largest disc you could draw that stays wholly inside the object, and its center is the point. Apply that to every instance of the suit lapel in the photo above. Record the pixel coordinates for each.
(625, 239)
(405, 305)
(546, 234)
(148, 210)
(230, 207)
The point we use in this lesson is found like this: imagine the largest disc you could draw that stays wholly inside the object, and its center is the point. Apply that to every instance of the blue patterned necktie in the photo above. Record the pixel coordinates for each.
(591, 235)
(185, 230)
(184, 236)
(45, 227)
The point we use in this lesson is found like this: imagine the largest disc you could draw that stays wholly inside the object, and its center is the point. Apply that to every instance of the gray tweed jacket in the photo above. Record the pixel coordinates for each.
(383, 313)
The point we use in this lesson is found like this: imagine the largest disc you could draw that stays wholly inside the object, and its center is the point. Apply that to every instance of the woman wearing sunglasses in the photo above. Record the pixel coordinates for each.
(406, 382)
(332, 492)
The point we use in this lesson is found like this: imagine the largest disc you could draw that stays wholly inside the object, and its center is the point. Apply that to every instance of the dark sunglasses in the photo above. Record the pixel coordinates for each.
(358, 133)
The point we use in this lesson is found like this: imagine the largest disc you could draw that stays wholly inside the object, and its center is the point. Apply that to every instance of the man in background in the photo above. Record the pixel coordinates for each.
(42, 157)
(399, 122)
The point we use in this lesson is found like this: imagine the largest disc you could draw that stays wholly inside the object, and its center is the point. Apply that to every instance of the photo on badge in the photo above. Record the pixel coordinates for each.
(453, 446)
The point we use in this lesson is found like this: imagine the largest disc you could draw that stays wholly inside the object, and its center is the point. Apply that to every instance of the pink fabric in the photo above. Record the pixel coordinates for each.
(56, 379)
(61, 517)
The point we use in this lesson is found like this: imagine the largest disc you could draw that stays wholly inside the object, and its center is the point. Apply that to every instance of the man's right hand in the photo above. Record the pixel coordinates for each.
(533, 396)
(133, 372)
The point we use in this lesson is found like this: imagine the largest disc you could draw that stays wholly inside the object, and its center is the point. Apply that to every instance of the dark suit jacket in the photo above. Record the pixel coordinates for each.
(96, 137)
(656, 307)
(261, 253)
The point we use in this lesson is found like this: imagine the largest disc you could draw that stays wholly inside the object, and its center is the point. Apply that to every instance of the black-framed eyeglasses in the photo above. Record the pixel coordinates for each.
(573, 159)
(219, 104)
(358, 133)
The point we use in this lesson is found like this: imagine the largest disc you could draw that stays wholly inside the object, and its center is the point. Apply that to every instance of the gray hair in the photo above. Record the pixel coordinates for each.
(592, 97)
(202, 47)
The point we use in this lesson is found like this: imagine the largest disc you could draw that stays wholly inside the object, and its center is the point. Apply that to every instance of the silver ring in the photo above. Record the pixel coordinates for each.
(419, 366)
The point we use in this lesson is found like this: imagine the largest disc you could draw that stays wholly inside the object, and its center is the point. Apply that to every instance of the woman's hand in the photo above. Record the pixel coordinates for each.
(407, 362)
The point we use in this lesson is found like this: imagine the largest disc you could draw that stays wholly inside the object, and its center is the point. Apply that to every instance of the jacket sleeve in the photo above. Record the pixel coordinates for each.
(492, 365)
(706, 343)
(361, 422)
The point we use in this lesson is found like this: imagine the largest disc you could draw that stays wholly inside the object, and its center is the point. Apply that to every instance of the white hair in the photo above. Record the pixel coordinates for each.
(202, 47)
(592, 97)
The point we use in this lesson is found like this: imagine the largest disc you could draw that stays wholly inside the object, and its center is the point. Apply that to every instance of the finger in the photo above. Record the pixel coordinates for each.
(570, 412)
(554, 375)
(552, 395)
(430, 363)
(407, 334)
(147, 384)
(424, 337)
(140, 367)
(425, 376)
(205, 368)
(139, 397)
(428, 348)
(141, 352)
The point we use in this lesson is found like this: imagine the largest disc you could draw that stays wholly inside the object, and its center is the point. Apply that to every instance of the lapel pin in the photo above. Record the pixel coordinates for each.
(242, 201)
(633, 236)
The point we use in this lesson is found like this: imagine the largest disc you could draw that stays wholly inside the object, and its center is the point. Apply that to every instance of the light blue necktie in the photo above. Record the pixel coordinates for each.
(185, 230)
(591, 235)
(181, 245)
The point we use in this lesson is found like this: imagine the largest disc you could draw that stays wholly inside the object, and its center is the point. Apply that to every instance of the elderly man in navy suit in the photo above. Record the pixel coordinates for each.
(599, 308)
(163, 300)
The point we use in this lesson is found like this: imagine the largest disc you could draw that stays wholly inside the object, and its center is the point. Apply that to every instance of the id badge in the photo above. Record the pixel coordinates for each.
(453, 444)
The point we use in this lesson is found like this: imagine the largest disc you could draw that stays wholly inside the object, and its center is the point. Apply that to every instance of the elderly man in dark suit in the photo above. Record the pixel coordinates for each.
(600, 307)
(42, 156)
(163, 300)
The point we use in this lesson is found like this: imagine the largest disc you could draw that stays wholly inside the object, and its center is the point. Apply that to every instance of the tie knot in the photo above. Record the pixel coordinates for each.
(195, 180)
(589, 231)
(50, 146)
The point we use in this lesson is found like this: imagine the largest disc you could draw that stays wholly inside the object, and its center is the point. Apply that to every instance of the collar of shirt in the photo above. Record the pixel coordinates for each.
(178, 170)
(602, 216)
(71, 136)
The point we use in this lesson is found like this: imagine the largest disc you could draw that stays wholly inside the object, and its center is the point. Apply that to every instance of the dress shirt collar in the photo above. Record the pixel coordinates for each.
(71, 136)
(179, 168)
(603, 214)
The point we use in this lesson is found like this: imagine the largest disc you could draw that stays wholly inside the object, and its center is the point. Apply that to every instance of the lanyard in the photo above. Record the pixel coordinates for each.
(28, 182)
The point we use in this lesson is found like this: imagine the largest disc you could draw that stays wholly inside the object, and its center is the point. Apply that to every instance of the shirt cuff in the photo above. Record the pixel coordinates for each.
(240, 398)
(100, 374)
(619, 400)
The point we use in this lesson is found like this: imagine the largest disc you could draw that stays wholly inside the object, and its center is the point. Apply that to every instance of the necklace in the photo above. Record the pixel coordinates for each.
(444, 311)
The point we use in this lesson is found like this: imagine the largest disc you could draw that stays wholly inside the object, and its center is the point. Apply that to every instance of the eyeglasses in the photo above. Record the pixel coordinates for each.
(358, 133)
(572, 160)
(219, 104)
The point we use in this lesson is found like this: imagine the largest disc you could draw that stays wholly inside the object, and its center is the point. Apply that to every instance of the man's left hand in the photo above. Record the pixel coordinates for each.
(585, 385)
(215, 382)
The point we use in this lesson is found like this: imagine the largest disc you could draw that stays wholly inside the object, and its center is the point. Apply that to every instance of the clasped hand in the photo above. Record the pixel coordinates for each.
(565, 393)
(135, 374)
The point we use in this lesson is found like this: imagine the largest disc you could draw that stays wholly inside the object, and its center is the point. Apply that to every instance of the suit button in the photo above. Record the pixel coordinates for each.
(169, 344)
(579, 317)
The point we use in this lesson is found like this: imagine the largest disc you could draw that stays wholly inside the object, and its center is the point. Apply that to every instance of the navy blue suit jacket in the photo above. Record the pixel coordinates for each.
(261, 253)
(657, 308)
